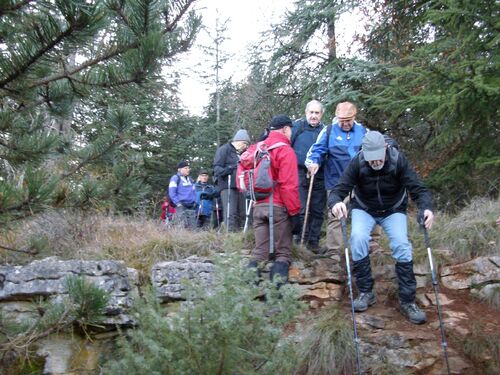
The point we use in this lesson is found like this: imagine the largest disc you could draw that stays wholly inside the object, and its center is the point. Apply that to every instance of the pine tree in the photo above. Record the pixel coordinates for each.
(67, 72)
(444, 87)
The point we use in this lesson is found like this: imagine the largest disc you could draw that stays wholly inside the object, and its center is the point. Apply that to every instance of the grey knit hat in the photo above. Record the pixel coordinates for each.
(241, 135)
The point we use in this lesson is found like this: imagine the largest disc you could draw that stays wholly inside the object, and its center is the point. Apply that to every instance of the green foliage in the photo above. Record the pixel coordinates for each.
(87, 301)
(448, 81)
(67, 67)
(328, 345)
(220, 329)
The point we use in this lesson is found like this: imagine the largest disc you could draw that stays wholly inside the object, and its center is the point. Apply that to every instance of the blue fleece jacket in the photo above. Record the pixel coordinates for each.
(340, 149)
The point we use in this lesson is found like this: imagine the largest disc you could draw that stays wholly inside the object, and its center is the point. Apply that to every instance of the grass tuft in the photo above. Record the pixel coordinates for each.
(328, 345)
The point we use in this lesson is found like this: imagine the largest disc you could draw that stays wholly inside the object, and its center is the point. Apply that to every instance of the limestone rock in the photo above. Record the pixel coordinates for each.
(167, 277)
(473, 274)
(46, 278)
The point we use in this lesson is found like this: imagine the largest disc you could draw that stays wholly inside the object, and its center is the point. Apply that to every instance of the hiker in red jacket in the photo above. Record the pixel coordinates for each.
(285, 203)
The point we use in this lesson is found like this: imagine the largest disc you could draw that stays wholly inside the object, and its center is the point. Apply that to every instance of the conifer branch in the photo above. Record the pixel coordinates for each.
(39, 54)
(92, 158)
(14, 7)
(116, 51)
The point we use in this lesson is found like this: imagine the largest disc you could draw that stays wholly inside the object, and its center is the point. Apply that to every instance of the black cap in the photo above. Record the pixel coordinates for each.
(203, 171)
(280, 121)
(183, 164)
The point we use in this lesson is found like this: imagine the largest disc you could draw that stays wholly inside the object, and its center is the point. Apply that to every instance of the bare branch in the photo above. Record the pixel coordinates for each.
(26, 251)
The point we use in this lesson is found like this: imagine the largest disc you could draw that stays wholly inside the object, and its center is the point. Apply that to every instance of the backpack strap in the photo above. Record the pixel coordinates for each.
(300, 130)
(276, 145)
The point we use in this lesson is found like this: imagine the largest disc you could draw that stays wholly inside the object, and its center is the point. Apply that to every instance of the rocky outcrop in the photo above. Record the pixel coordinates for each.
(384, 334)
(476, 274)
(21, 287)
(168, 277)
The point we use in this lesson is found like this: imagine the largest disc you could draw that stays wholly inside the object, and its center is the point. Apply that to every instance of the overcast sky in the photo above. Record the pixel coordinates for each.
(246, 19)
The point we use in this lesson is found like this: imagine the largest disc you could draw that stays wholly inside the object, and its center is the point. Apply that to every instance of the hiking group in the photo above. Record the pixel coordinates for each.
(282, 184)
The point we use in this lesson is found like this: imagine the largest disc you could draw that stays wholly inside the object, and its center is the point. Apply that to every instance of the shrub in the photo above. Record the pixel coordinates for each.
(328, 346)
(218, 330)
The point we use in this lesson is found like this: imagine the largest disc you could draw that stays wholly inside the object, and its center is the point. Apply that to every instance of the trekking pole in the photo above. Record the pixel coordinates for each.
(248, 208)
(217, 212)
(307, 210)
(349, 283)
(435, 286)
(228, 201)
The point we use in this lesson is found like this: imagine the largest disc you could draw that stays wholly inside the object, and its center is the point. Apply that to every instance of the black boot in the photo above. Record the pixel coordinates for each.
(407, 290)
(279, 269)
(364, 281)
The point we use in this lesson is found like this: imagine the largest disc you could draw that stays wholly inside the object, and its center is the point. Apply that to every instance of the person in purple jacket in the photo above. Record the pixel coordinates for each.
(182, 193)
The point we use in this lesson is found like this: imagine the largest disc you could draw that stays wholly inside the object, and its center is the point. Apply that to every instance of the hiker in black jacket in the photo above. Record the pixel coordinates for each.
(381, 178)
(304, 133)
(226, 161)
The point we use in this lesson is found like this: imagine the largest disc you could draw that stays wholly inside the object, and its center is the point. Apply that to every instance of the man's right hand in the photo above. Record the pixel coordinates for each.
(339, 210)
(313, 168)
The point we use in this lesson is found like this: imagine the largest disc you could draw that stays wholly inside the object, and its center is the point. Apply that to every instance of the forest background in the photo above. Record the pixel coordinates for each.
(91, 119)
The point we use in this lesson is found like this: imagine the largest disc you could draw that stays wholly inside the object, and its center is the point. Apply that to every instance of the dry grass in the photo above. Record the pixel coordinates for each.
(328, 345)
(482, 347)
(137, 241)
(472, 233)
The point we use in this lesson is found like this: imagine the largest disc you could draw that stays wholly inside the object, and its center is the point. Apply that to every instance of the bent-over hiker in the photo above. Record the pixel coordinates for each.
(381, 178)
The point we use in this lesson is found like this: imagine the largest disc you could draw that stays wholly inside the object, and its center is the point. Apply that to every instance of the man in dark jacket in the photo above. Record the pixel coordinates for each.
(205, 194)
(304, 133)
(225, 163)
(381, 178)
(285, 202)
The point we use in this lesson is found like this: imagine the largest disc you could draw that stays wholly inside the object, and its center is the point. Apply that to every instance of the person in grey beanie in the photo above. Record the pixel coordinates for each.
(225, 164)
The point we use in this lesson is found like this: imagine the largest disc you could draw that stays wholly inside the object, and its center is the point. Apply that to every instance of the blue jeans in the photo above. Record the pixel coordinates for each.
(395, 227)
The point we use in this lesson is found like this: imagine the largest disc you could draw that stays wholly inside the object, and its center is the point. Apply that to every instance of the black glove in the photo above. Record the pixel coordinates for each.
(296, 224)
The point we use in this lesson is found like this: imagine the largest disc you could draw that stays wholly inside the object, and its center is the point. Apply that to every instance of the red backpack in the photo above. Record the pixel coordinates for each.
(254, 175)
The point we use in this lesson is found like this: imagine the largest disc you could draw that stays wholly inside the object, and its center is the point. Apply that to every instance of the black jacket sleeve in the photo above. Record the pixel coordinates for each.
(225, 164)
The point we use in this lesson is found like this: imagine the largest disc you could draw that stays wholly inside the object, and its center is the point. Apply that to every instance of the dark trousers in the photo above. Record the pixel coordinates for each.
(282, 233)
(236, 209)
(317, 206)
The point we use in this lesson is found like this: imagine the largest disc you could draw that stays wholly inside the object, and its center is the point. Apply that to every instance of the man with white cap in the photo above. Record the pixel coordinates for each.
(381, 178)
(337, 144)
(225, 163)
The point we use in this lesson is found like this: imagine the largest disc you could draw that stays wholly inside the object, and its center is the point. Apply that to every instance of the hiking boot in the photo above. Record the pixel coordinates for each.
(363, 301)
(413, 313)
